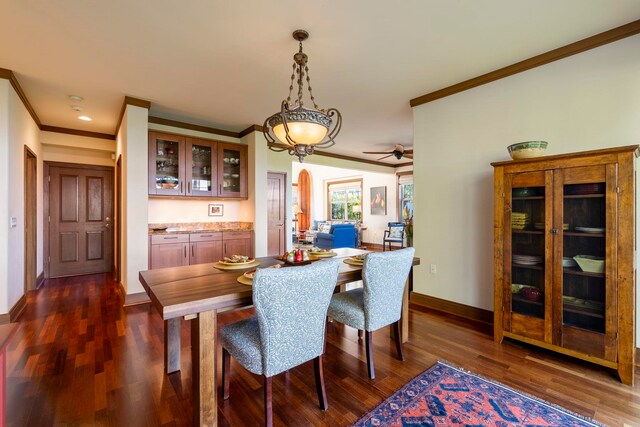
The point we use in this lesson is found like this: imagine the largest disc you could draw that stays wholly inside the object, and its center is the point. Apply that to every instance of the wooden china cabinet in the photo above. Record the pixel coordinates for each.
(549, 212)
(183, 166)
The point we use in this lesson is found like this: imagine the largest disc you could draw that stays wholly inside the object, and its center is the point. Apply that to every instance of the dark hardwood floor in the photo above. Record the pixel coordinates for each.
(79, 358)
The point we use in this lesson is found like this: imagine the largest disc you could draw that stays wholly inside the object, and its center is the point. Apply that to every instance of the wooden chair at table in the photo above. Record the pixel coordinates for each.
(288, 329)
(379, 302)
(394, 234)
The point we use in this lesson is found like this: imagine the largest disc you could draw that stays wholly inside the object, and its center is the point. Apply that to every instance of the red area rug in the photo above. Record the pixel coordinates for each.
(444, 395)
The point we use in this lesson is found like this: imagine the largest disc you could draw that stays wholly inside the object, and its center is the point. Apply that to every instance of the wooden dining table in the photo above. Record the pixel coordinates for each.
(197, 293)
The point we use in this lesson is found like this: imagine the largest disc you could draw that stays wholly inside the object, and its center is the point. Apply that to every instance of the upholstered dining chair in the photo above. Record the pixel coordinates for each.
(288, 328)
(379, 302)
(394, 234)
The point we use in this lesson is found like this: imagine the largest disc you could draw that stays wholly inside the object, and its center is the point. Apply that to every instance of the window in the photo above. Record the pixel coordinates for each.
(344, 200)
(405, 196)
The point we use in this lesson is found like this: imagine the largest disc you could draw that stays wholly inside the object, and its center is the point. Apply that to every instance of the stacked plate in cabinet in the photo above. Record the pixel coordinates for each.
(519, 220)
(527, 259)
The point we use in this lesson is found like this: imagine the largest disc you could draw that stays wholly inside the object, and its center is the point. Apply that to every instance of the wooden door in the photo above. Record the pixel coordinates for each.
(166, 164)
(585, 295)
(30, 219)
(205, 252)
(232, 171)
(80, 216)
(304, 198)
(276, 213)
(201, 167)
(528, 255)
(169, 255)
(237, 247)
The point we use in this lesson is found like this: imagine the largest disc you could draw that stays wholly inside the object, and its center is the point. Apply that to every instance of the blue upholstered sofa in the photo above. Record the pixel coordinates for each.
(340, 236)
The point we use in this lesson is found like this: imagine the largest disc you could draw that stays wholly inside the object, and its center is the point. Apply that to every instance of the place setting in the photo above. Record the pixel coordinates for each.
(247, 276)
(236, 262)
(356, 260)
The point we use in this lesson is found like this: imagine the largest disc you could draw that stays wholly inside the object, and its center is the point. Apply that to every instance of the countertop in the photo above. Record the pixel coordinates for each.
(199, 227)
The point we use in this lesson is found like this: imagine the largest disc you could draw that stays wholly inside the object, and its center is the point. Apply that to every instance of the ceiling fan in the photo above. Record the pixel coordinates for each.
(398, 151)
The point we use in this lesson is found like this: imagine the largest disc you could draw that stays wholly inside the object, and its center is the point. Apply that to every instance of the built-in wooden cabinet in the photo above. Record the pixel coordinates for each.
(182, 166)
(175, 250)
(564, 247)
(237, 242)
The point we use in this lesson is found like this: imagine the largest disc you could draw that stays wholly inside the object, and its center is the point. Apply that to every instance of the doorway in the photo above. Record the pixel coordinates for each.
(79, 215)
(276, 213)
(30, 220)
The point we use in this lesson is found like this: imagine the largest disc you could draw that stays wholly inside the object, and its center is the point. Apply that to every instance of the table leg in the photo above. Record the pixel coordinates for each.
(172, 345)
(203, 361)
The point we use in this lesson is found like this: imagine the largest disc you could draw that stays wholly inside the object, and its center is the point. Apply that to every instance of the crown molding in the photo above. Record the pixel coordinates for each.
(9, 75)
(252, 128)
(88, 134)
(190, 126)
(580, 46)
(128, 100)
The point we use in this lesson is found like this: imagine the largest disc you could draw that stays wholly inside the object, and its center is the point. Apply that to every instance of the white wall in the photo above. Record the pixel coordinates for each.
(132, 143)
(584, 102)
(59, 147)
(321, 174)
(17, 129)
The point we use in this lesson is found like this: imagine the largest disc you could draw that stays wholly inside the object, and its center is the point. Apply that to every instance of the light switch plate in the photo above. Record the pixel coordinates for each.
(13, 222)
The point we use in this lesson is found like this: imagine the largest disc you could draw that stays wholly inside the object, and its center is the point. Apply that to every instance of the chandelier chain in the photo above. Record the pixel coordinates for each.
(313, 99)
(293, 76)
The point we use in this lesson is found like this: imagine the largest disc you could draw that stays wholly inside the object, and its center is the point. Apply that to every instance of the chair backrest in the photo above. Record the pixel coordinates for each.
(384, 275)
(291, 306)
(396, 230)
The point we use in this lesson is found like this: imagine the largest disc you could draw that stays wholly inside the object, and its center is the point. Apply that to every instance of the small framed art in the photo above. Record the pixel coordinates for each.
(215, 210)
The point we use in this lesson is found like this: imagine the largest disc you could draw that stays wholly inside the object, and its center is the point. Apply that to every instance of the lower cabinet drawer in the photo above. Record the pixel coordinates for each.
(159, 239)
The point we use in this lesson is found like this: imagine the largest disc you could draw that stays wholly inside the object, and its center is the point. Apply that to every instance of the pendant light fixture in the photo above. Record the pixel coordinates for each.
(296, 128)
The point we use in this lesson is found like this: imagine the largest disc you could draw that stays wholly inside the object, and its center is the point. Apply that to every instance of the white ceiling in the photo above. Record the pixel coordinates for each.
(227, 64)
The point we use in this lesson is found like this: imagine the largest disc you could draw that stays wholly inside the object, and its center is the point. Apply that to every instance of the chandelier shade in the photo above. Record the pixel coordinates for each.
(296, 128)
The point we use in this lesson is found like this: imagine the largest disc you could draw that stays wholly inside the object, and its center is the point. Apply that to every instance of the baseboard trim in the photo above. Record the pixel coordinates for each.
(16, 311)
(40, 280)
(450, 307)
(4, 319)
(135, 299)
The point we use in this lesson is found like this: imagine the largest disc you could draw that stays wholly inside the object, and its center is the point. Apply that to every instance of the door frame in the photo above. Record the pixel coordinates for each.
(285, 210)
(117, 247)
(30, 220)
(46, 257)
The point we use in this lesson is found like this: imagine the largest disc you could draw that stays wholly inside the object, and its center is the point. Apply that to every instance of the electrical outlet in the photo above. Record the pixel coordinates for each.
(432, 268)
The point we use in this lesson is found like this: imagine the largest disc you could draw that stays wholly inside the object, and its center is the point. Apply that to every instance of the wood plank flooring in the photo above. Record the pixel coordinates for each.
(79, 358)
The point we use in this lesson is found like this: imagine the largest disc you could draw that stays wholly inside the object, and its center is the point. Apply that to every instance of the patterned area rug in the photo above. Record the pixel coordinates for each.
(445, 395)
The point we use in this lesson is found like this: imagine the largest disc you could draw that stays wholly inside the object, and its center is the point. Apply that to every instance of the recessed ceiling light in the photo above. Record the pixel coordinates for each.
(76, 108)
(75, 98)
(85, 118)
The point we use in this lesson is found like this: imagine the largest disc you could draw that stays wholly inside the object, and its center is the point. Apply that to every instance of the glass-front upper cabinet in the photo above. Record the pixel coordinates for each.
(232, 170)
(166, 160)
(530, 263)
(202, 178)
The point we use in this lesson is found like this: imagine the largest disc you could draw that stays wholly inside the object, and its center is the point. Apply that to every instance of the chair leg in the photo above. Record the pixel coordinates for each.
(226, 371)
(319, 371)
(396, 331)
(268, 409)
(368, 338)
(360, 334)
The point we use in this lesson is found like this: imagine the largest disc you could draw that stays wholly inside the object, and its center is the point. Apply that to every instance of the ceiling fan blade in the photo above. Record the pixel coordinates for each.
(385, 156)
(377, 152)
(408, 155)
(408, 151)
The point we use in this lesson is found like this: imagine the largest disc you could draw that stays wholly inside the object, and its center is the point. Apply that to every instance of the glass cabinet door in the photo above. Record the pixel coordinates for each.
(166, 169)
(528, 218)
(202, 173)
(588, 216)
(232, 170)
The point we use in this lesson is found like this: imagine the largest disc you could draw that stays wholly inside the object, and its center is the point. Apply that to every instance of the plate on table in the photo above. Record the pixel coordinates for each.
(591, 230)
(244, 280)
(323, 254)
(236, 266)
(356, 260)
(236, 260)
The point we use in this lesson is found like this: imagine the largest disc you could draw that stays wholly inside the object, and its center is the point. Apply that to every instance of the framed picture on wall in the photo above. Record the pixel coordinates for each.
(215, 210)
(379, 200)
